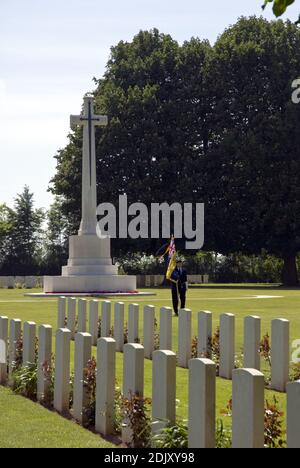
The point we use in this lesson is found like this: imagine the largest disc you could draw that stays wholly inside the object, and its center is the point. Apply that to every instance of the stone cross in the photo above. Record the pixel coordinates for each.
(89, 183)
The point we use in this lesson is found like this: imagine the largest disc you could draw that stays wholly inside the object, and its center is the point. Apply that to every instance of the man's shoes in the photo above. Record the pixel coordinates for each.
(175, 315)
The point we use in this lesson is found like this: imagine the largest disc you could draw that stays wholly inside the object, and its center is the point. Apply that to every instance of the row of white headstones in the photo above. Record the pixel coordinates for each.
(247, 384)
(73, 315)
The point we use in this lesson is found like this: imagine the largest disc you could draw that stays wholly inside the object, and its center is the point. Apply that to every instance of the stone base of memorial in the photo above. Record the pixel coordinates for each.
(89, 269)
(89, 284)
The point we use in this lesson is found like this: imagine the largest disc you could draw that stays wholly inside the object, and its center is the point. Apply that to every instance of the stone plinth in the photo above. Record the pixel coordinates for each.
(89, 269)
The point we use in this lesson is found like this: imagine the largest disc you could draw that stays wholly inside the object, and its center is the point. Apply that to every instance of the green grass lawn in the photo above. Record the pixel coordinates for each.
(240, 300)
(25, 424)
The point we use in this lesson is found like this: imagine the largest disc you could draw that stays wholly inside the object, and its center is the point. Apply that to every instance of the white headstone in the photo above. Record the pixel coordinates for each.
(133, 371)
(252, 338)
(248, 408)
(15, 333)
(61, 312)
(280, 354)
(3, 349)
(106, 319)
(105, 386)
(82, 306)
(293, 415)
(204, 333)
(165, 328)
(44, 361)
(119, 325)
(93, 321)
(62, 371)
(227, 345)
(71, 321)
(83, 350)
(133, 379)
(202, 403)
(163, 389)
(133, 323)
(184, 337)
(149, 328)
(29, 342)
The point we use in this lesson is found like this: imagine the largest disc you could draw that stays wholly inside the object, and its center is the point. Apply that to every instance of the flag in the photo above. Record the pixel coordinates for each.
(162, 251)
(172, 259)
(172, 248)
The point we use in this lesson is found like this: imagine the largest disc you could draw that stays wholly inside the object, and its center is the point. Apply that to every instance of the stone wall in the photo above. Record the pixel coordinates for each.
(152, 281)
(143, 281)
(29, 282)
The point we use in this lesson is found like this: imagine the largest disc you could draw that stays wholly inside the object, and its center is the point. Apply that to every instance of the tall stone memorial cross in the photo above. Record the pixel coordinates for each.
(89, 268)
(89, 185)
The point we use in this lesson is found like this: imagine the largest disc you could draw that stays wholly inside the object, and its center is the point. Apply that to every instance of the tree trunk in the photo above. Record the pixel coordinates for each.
(289, 273)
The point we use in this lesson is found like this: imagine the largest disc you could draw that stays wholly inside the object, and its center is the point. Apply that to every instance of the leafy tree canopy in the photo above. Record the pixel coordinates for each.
(193, 123)
(280, 7)
(253, 174)
(22, 236)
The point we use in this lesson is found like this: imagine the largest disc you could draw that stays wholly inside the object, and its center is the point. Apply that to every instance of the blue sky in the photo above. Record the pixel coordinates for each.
(51, 49)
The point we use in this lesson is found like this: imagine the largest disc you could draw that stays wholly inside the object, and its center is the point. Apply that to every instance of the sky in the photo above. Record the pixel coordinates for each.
(50, 50)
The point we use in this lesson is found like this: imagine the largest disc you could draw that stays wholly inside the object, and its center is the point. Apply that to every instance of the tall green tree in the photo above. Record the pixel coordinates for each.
(56, 240)
(155, 95)
(23, 242)
(191, 123)
(253, 172)
(5, 228)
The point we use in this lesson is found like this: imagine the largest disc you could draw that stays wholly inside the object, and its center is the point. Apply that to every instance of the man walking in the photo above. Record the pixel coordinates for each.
(179, 286)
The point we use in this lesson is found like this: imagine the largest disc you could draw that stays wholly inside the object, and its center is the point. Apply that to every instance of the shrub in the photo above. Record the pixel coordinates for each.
(265, 353)
(24, 381)
(239, 360)
(71, 397)
(140, 263)
(135, 411)
(175, 436)
(223, 436)
(273, 432)
(156, 335)
(265, 349)
(214, 346)
(118, 420)
(126, 333)
(194, 352)
(273, 425)
(295, 372)
(19, 354)
(90, 374)
(111, 331)
(49, 371)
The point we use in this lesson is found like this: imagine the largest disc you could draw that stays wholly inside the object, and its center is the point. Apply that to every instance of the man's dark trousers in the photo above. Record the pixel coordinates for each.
(178, 290)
